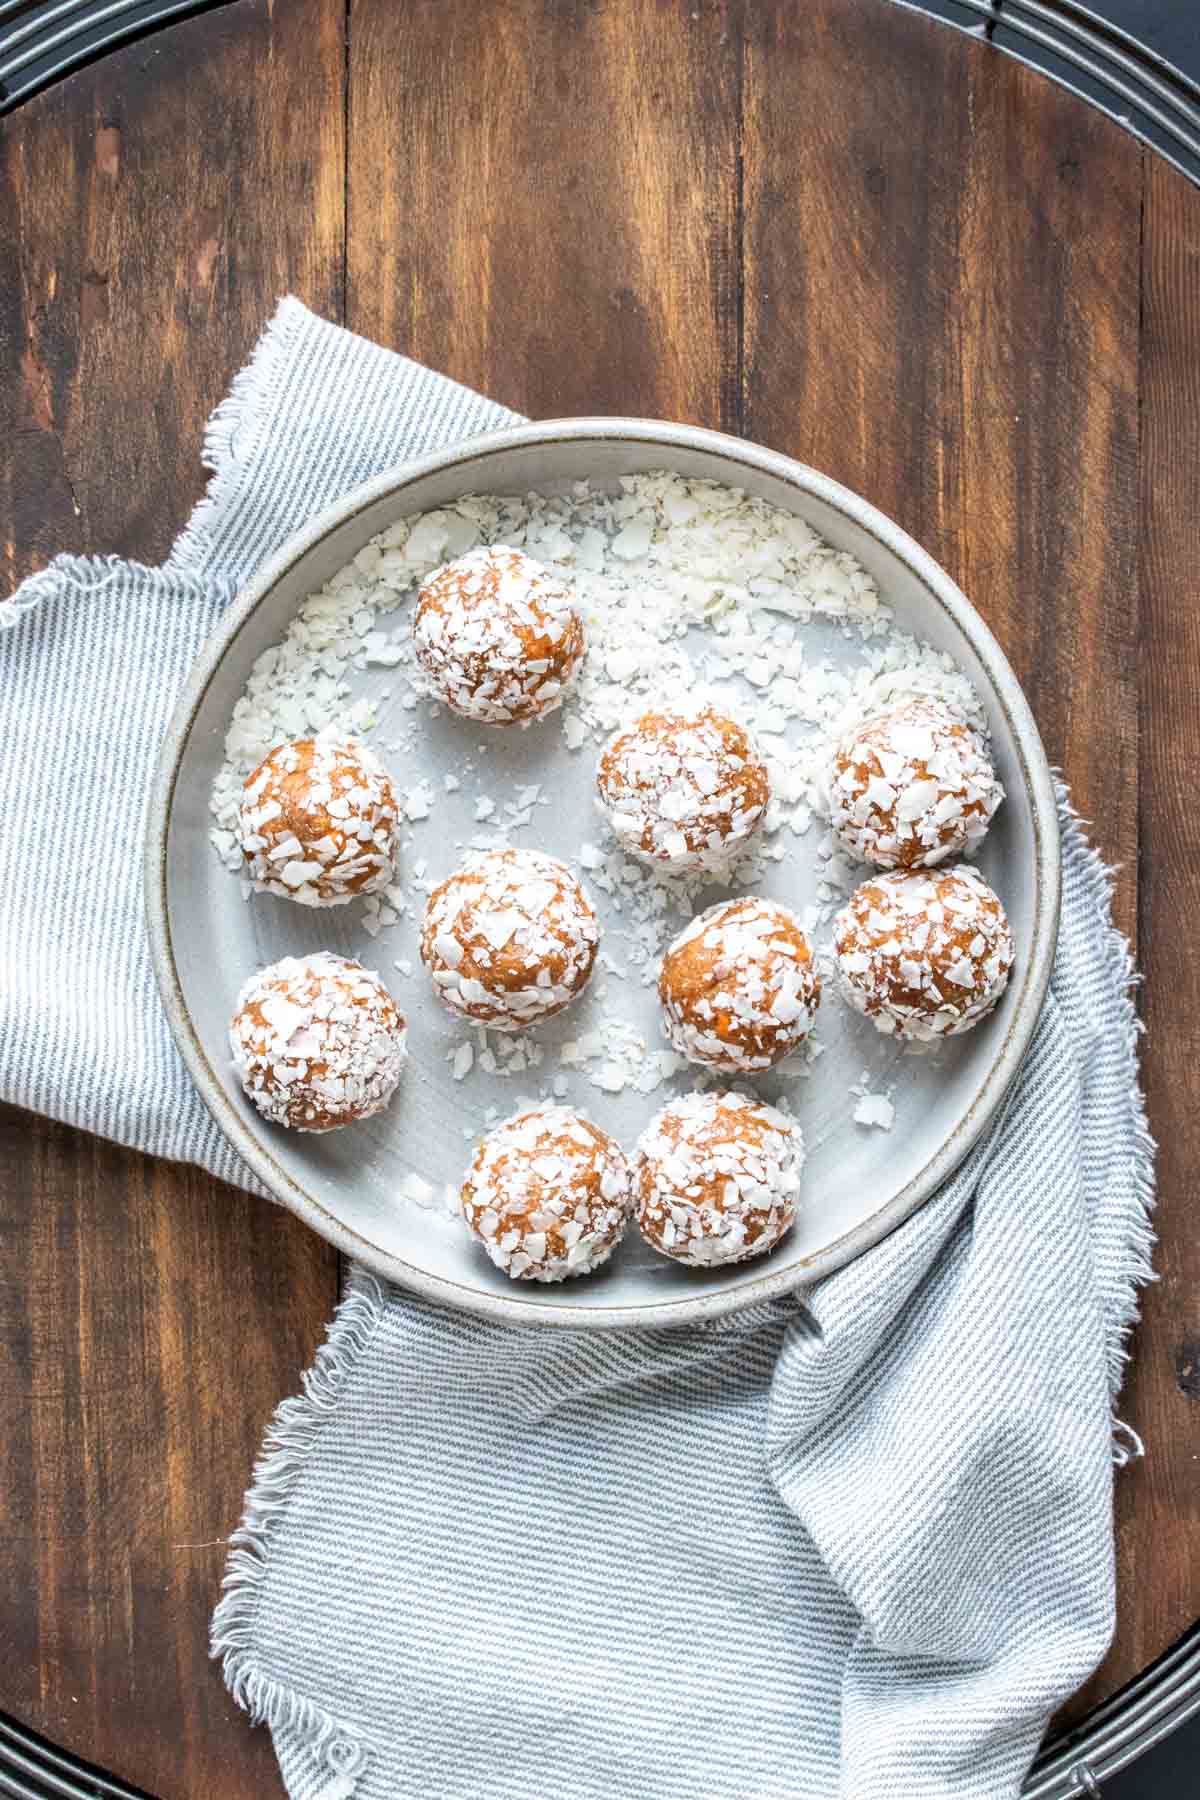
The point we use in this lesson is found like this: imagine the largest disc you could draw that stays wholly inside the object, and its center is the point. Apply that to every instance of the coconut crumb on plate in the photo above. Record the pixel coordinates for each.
(687, 591)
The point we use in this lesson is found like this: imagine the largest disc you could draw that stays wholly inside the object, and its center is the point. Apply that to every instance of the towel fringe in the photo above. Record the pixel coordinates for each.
(232, 439)
(291, 1439)
(1138, 1270)
(73, 577)
(233, 436)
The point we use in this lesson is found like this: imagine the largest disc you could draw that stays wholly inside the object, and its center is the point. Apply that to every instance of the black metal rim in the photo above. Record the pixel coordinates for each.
(31, 1768)
(43, 40)
(1070, 1767)
(1100, 62)
(1163, 1697)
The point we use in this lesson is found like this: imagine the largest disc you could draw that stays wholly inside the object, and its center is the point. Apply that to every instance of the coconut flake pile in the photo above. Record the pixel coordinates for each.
(547, 1195)
(317, 1041)
(747, 963)
(685, 588)
(717, 1178)
(925, 954)
(649, 563)
(509, 939)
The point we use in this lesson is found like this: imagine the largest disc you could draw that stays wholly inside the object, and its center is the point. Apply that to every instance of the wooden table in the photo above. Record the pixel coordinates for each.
(838, 228)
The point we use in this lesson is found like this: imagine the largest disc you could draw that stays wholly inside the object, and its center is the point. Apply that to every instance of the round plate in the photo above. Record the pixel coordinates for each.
(206, 939)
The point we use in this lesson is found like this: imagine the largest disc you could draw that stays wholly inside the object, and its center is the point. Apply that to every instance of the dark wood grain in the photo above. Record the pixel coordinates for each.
(942, 310)
(1159, 1502)
(941, 305)
(543, 199)
(152, 210)
(845, 230)
(150, 1320)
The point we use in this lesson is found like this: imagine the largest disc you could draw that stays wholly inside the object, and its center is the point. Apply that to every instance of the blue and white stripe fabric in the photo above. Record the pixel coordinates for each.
(89, 676)
(856, 1543)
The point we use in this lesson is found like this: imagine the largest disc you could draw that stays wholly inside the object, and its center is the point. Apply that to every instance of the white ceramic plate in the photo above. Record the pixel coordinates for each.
(860, 1183)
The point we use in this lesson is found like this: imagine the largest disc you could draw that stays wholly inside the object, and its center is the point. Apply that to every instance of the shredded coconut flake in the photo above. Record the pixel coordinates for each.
(686, 590)
(875, 1109)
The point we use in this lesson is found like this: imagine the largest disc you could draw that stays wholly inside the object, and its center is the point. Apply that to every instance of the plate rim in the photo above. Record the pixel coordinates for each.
(774, 1280)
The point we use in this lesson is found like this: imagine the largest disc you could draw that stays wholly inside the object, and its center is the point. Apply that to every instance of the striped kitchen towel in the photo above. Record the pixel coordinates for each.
(857, 1542)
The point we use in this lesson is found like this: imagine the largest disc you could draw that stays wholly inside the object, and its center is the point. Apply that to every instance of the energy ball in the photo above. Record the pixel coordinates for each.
(687, 790)
(509, 939)
(912, 787)
(716, 1178)
(923, 954)
(317, 1042)
(498, 635)
(319, 822)
(548, 1195)
(738, 986)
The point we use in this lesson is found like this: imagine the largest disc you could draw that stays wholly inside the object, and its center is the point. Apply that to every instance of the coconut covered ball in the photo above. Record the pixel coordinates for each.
(509, 939)
(319, 821)
(912, 787)
(686, 790)
(548, 1195)
(498, 635)
(924, 954)
(738, 986)
(716, 1179)
(317, 1042)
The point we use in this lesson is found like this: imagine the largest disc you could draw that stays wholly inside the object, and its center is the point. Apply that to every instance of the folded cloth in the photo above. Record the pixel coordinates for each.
(854, 1542)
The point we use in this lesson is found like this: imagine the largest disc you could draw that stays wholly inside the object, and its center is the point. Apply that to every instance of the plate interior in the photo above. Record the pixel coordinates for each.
(858, 1180)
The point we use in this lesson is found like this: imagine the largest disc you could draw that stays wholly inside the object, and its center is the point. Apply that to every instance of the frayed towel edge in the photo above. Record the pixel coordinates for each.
(234, 436)
(291, 1439)
(1137, 1268)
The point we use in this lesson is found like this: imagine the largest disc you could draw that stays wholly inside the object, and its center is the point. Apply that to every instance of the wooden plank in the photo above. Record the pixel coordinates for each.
(1159, 1500)
(940, 288)
(942, 306)
(545, 204)
(941, 300)
(156, 205)
(150, 1320)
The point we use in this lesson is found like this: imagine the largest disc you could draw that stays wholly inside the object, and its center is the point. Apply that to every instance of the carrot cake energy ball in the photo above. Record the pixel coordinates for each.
(317, 1042)
(548, 1195)
(716, 1178)
(912, 787)
(686, 790)
(738, 986)
(509, 939)
(498, 635)
(318, 822)
(924, 954)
